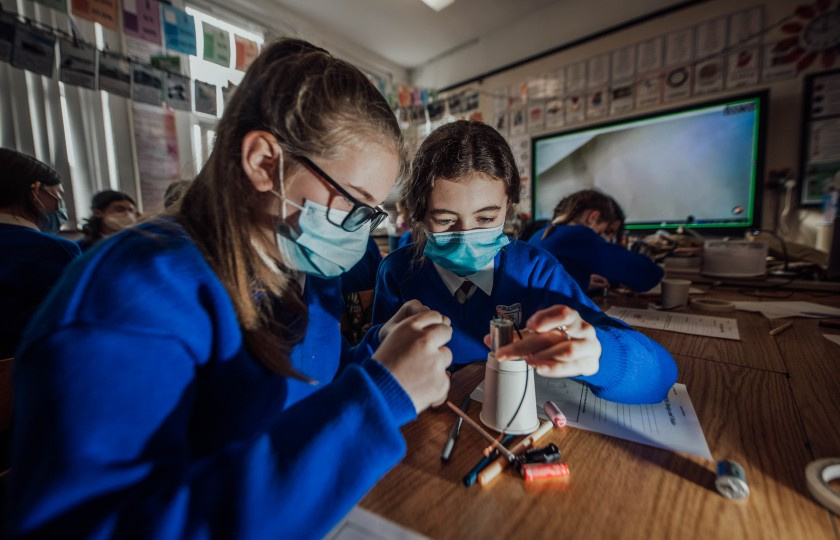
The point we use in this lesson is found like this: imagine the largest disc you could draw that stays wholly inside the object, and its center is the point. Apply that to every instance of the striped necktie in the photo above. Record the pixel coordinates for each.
(464, 291)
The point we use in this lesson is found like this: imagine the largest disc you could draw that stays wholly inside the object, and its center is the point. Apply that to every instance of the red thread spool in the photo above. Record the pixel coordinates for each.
(544, 471)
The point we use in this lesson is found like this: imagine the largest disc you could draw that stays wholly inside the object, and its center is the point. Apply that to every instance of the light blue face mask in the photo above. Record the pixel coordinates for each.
(466, 252)
(52, 220)
(319, 248)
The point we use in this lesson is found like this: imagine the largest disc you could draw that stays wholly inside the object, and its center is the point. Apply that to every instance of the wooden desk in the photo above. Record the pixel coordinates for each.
(771, 421)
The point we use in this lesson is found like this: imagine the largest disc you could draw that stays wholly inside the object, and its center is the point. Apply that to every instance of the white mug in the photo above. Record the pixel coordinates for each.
(675, 293)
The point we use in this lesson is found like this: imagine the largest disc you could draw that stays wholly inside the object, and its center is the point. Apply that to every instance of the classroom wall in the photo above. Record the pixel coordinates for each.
(783, 134)
(67, 128)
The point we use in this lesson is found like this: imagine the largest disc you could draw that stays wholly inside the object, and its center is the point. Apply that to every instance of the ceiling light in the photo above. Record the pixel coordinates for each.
(438, 5)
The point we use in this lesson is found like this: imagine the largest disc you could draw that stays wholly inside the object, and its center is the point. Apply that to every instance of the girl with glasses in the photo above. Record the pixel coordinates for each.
(463, 181)
(188, 378)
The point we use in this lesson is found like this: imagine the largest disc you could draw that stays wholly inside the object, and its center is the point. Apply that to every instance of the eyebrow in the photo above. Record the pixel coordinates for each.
(439, 211)
(364, 193)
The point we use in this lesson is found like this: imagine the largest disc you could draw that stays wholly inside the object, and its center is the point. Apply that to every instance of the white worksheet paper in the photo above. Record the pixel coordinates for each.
(783, 310)
(834, 338)
(698, 325)
(361, 524)
(671, 424)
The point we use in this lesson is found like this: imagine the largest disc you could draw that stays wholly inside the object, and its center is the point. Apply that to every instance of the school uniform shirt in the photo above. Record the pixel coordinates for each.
(633, 368)
(32, 263)
(583, 252)
(140, 413)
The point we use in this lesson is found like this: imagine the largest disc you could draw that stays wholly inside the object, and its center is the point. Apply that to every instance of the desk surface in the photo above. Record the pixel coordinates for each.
(769, 403)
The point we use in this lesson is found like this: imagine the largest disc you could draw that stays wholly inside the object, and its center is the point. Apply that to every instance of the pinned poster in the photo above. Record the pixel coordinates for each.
(216, 45)
(501, 121)
(177, 94)
(597, 104)
(649, 91)
(676, 83)
(536, 115)
(156, 144)
(576, 78)
(103, 12)
(248, 50)
(168, 63)
(148, 84)
(7, 36)
(623, 63)
(114, 74)
(742, 68)
(205, 98)
(141, 19)
(555, 83)
(599, 71)
(779, 64)
(500, 99)
(621, 98)
(575, 111)
(710, 37)
(649, 55)
(77, 63)
(554, 113)
(57, 5)
(745, 26)
(178, 30)
(708, 76)
(679, 47)
(34, 50)
(518, 122)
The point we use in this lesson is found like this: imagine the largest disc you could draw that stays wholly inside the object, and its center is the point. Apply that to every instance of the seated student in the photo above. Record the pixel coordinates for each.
(187, 378)
(576, 237)
(113, 211)
(31, 209)
(463, 181)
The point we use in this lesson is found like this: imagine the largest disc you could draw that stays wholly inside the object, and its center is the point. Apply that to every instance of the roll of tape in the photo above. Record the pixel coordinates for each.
(818, 474)
(712, 304)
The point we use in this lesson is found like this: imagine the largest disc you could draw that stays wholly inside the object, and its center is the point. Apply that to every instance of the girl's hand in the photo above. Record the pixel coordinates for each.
(410, 308)
(415, 353)
(558, 343)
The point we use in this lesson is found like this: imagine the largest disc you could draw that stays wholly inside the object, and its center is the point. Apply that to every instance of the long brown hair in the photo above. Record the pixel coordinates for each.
(454, 151)
(315, 105)
(572, 207)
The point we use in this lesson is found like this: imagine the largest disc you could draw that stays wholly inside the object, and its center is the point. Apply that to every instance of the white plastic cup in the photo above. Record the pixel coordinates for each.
(675, 293)
(504, 384)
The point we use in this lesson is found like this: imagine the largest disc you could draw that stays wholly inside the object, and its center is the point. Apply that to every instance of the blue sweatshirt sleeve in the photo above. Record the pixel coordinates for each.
(633, 368)
(103, 446)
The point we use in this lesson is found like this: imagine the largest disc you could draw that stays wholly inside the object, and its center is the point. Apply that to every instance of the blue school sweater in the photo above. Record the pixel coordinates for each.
(633, 368)
(583, 252)
(32, 263)
(139, 413)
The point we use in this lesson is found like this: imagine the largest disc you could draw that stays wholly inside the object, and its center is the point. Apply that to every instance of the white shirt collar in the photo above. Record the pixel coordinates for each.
(11, 219)
(483, 279)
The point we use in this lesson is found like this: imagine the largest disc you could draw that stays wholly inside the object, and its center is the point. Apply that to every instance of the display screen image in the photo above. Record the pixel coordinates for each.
(699, 166)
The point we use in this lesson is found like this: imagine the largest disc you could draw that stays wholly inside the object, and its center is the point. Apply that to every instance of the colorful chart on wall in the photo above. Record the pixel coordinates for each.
(103, 12)
(141, 19)
(178, 30)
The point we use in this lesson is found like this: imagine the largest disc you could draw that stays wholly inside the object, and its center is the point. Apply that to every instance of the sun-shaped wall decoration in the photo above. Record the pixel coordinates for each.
(815, 35)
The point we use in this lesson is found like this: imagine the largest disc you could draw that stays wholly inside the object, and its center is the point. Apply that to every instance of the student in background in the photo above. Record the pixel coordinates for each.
(463, 181)
(576, 236)
(184, 381)
(31, 209)
(113, 211)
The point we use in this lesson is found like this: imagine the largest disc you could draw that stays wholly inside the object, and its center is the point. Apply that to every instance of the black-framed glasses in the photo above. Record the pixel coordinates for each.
(360, 214)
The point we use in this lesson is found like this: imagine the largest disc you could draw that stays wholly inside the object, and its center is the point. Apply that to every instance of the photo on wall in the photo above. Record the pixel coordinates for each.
(115, 74)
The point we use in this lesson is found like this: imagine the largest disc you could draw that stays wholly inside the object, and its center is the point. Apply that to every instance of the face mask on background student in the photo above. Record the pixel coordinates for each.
(52, 220)
(465, 252)
(119, 221)
(318, 247)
